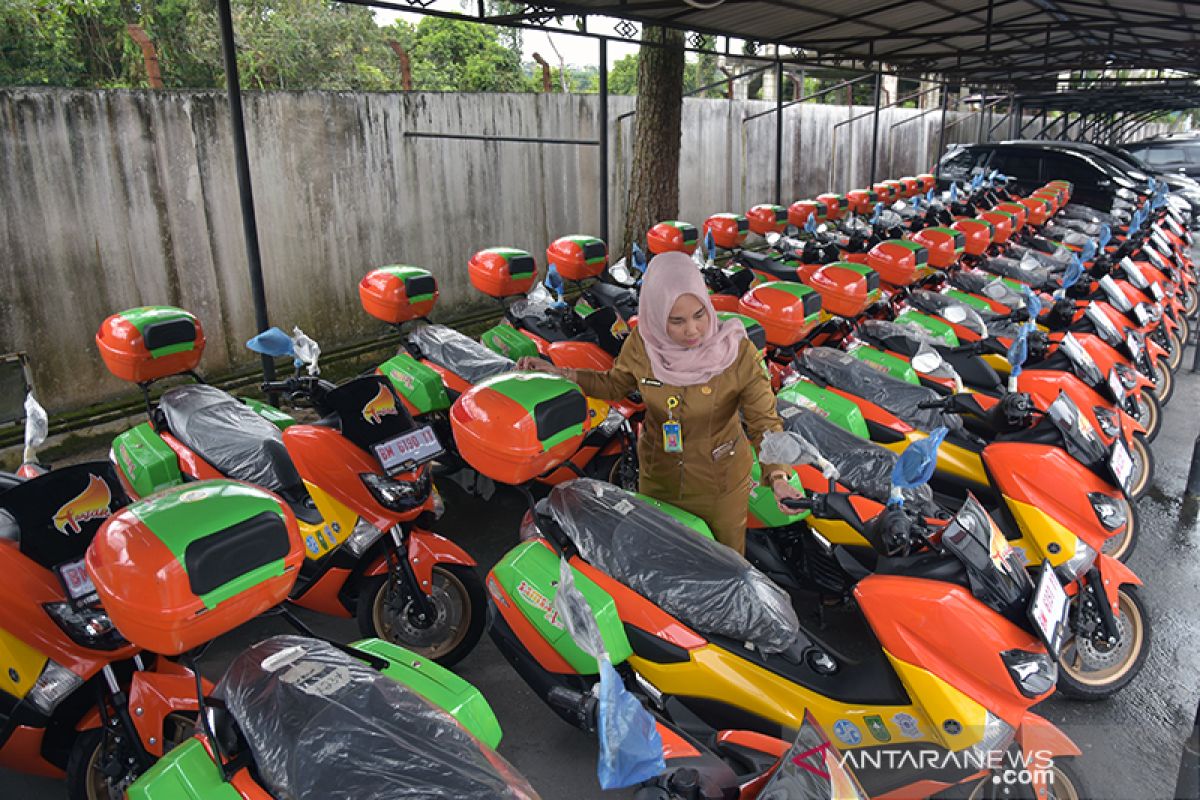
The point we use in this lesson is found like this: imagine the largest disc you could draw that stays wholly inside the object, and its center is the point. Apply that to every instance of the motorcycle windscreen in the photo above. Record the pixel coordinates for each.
(321, 724)
(903, 399)
(703, 584)
(863, 466)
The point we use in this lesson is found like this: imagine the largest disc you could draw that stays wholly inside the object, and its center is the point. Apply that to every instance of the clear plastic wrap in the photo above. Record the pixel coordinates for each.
(882, 329)
(953, 310)
(862, 466)
(37, 427)
(812, 769)
(462, 355)
(324, 726)
(859, 378)
(228, 434)
(1027, 270)
(702, 583)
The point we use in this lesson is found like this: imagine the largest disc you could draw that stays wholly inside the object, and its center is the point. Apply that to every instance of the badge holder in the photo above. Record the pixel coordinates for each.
(672, 433)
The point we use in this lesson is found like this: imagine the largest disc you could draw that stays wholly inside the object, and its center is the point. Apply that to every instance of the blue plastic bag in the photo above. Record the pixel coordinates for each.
(631, 750)
(1018, 351)
(1033, 303)
(1105, 235)
(916, 464)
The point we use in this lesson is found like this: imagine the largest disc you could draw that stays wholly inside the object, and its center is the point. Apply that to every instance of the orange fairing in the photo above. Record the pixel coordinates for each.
(325, 458)
(533, 642)
(322, 596)
(754, 741)
(22, 752)
(874, 413)
(578, 355)
(944, 630)
(635, 610)
(190, 463)
(156, 694)
(426, 550)
(674, 745)
(1019, 471)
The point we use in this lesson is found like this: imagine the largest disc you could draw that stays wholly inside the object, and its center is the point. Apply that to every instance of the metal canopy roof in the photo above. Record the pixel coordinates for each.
(1001, 42)
(1165, 96)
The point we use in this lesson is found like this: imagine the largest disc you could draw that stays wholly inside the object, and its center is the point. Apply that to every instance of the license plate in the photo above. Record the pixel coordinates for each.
(1048, 609)
(75, 580)
(409, 449)
(1118, 389)
(1157, 291)
(1121, 465)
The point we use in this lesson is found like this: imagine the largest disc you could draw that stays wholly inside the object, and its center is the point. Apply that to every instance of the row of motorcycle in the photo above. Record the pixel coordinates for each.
(968, 382)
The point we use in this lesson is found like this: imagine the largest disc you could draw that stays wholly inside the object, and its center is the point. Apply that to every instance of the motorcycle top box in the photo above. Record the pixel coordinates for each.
(861, 201)
(672, 235)
(912, 186)
(767, 218)
(577, 257)
(945, 245)
(1039, 209)
(977, 233)
(502, 271)
(898, 262)
(151, 342)
(800, 211)
(398, 293)
(1003, 224)
(836, 203)
(183, 566)
(1019, 212)
(515, 427)
(846, 287)
(787, 311)
(728, 230)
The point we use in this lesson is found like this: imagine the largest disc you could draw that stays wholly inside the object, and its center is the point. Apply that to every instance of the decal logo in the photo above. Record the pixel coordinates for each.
(383, 404)
(908, 725)
(130, 464)
(194, 495)
(401, 377)
(92, 503)
(847, 732)
(539, 601)
(877, 728)
(619, 329)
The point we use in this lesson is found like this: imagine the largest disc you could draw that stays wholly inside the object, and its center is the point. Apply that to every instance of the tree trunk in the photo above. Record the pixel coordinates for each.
(654, 176)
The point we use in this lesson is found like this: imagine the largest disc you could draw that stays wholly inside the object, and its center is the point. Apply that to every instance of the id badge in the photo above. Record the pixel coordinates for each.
(672, 437)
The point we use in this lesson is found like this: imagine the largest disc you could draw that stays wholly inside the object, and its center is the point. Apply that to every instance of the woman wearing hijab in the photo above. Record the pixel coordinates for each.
(695, 374)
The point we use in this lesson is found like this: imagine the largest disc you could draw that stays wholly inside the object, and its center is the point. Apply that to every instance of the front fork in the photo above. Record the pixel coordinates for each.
(404, 579)
(129, 754)
(1092, 615)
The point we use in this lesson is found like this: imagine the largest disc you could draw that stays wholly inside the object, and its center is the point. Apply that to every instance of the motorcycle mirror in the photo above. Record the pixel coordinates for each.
(954, 193)
(272, 342)
(916, 464)
(929, 196)
(1089, 251)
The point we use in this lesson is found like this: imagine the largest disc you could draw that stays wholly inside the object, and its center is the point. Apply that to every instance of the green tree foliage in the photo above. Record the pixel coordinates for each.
(449, 55)
(622, 78)
(66, 42)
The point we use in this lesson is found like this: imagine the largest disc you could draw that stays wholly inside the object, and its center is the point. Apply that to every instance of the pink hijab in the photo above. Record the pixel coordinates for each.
(668, 276)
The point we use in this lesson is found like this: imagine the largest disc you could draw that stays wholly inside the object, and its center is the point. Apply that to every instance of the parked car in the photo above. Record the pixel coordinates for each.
(1140, 172)
(1178, 154)
(1098, 183)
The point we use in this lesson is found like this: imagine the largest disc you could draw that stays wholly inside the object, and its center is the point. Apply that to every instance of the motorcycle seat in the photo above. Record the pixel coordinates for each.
(621, 298)
(762, 262)
(462, 355)
(230, 436)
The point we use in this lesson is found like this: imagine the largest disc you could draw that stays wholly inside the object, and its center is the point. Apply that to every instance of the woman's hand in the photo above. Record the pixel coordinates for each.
(533, 364)
(785, 491)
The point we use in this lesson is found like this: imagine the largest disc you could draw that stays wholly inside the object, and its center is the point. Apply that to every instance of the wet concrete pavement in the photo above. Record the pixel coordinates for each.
(1131, 743)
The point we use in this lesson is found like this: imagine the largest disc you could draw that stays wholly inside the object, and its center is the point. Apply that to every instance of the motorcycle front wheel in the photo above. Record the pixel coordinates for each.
(1065, 784)
(1090, 670)
(459, 611)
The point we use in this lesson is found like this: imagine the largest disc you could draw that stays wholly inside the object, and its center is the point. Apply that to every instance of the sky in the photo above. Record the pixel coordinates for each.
(575, 50)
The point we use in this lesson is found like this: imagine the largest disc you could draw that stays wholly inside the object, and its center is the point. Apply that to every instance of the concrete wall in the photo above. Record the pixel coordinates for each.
(120, 198)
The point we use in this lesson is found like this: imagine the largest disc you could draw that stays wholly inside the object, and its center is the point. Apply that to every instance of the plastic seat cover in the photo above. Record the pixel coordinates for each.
(703, 584)
(324, 726)
(462, 355)
(859, 378)
(227, 434)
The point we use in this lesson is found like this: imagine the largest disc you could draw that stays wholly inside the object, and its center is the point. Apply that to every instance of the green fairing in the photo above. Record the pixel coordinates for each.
(178, 517)
(439, 686)
(905, 243)
(530, 389)
(584, 241)
(145, 460)
(974, 302)
(417, 383)
(509, 342)
(509, 254)
(188, 772)
(270, 413)
(762, 500)
(886, 362)
(835, 408)
(529, 574)
(933, 325)
(583, 309)
(686, 517)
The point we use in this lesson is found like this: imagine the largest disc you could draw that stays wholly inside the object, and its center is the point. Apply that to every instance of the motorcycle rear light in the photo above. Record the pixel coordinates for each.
(1034, 673)
(365, 534)
(1108, 510)
(87, 627)
(53, 686)
(397, 495)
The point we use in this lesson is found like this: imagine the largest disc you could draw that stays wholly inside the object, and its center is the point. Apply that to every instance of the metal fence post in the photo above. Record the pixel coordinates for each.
(875, 133)
(603, 122)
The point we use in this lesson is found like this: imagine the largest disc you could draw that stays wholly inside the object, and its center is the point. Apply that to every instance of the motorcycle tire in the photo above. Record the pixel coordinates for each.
(459, 600)
(1164, 387)
(1149, 414)
(1174, 350)
(1066, 783)
(85, 779)
(1191, 301)
(1140, 451)
(1077, 683)
(1122, 548)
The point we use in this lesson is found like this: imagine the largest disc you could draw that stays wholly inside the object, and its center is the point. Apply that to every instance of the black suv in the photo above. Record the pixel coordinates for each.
(1179, 154)
(1031, 164)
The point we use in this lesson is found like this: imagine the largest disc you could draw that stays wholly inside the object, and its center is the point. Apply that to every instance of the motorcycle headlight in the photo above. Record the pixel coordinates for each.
(365, 534)
(54, 684)
(1108, 510)
(1077, 564)
(1108, 421)
(89, 627)
(1033, 673)
(397, 495)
